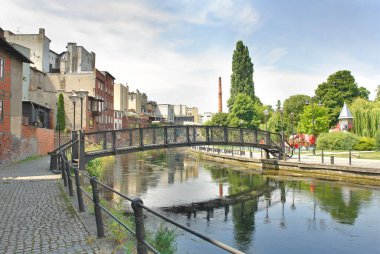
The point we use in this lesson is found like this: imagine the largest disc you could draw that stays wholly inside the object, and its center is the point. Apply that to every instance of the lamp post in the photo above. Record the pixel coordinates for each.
(266, 113)
(292, 123)
(74, 98)
(81, 94)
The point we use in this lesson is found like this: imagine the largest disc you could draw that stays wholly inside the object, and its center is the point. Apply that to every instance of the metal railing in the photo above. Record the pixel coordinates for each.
(67, 166)
(105, 143)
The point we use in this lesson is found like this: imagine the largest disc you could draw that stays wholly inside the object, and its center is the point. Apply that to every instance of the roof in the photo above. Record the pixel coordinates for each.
(345, 113)
(7, 47)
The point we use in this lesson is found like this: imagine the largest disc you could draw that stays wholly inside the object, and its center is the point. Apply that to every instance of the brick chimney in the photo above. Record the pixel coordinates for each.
(220, 109)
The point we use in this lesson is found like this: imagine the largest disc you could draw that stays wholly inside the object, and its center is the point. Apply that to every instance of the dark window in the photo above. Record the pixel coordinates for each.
(1, 110)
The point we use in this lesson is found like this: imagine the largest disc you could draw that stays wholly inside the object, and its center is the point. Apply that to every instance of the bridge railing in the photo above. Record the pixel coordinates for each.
(172, 136)
(68, 166)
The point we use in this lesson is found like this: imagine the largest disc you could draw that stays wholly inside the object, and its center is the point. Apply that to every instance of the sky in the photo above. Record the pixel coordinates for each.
(175, 50)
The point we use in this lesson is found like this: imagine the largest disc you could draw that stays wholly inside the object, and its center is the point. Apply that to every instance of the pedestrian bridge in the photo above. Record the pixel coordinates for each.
(90, 145)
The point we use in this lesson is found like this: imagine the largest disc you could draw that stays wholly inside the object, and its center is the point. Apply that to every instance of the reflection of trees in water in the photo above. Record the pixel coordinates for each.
(243, 217)
(343, 204)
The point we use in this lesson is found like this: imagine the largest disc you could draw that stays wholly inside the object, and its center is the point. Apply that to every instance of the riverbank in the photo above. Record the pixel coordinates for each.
(360, 171)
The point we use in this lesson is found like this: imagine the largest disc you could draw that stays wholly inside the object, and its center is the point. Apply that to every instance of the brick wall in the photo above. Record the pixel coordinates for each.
(34, 141)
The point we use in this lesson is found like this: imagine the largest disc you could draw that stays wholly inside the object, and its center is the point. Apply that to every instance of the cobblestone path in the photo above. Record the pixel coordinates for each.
(35, 216)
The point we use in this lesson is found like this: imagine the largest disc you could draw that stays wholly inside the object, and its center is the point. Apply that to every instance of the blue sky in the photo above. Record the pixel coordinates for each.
(175, 50)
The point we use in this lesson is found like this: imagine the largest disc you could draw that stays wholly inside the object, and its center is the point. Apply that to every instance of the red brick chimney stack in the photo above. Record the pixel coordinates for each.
(220, 109)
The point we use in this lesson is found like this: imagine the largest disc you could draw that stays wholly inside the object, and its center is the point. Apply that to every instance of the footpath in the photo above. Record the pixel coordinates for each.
(35, 214)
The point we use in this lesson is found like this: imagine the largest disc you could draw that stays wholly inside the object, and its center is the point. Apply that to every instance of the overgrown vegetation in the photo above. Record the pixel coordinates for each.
(60, 113)
(96, 166)
(345, 141)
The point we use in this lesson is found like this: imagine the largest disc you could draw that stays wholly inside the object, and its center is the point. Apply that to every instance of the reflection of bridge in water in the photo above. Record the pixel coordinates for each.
(105, 143)
(241, 197)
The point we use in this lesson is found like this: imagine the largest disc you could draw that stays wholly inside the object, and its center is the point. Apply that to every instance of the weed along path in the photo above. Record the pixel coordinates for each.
(36, 216)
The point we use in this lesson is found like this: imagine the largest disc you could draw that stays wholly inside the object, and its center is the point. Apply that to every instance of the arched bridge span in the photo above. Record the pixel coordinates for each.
(93, 145)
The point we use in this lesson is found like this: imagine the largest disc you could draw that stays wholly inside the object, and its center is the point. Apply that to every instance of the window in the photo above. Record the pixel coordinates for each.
(1, 110)
(2, 62)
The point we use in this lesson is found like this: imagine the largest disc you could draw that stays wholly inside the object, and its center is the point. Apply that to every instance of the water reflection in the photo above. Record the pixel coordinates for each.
(262, 207)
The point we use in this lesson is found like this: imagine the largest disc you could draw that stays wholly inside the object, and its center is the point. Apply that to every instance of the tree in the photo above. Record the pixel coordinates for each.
(242, 113)
(60, 113)
(340, 87)
(218, 119)
(366, 117)
(377, 93)
(321, 120)
(242, 74)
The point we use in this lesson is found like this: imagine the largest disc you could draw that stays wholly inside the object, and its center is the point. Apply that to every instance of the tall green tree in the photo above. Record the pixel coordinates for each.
(321, 120)
(366, 117)
(218, 119)
(242, 74)
(60, 113)
(295, 104)
(242, 113)
(340, 87)
(377, 93)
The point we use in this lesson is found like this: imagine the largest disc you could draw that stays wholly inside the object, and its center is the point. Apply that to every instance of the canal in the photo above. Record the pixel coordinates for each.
(267, 214)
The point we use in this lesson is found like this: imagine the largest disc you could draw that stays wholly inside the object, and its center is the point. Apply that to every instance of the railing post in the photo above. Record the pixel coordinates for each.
(74, 148)
(140, 228)
(211, 134)
(323, 159)
(53, 161)
(299, 153)
(207, 134)
(63, 170)
(166, 135)
(241, 136)
(97, 209)
(225, 135)
(79, 191)
(194, 135)
(113, 141)
(332, 160)
(81, 157)
(175, 135)
(141, 136)
(130, 137)
(255, 138)
(154, 135)
(349, 157)
(104, 140)
(267, 142)
(70, 182)
(188, 135)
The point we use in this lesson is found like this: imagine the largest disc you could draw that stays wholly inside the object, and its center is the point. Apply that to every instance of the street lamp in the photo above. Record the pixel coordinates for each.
(292, 123)
(81, 94)
(266, 113)
(74, 98)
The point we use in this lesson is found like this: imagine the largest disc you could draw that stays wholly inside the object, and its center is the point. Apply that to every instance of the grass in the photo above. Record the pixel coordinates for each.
(30, 158)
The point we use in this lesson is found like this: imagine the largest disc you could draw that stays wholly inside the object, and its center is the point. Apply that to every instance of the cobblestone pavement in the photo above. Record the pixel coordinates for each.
(35, 215)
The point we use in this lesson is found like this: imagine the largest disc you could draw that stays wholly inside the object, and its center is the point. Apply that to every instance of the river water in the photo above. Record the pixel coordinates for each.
(268, 214)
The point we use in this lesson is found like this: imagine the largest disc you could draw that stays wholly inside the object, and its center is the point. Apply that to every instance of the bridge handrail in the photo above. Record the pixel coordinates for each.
(66, 175)
(60, 147)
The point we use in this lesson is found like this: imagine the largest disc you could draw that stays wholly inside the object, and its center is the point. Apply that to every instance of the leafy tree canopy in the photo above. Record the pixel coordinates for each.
(242, 74)
(340, 87)
(242, 113)
(295, 104)
(321, 120)
(218, 119)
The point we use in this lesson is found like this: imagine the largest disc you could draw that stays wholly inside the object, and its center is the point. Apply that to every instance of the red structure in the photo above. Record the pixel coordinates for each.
(302, 140)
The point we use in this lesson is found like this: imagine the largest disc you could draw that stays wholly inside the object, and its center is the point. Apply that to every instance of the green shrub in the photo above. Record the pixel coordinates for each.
(94, 167)
(377, 140)
(365, 144)
(337, 141)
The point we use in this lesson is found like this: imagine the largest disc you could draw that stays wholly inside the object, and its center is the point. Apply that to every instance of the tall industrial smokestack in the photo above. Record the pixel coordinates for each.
(220, 109)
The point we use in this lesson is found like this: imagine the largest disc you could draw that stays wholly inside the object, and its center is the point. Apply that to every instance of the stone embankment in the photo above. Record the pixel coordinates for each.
(360, 169)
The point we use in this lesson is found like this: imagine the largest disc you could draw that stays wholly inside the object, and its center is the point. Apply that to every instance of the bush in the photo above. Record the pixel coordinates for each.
(377, 140)
(365, 144)
(337, 141)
